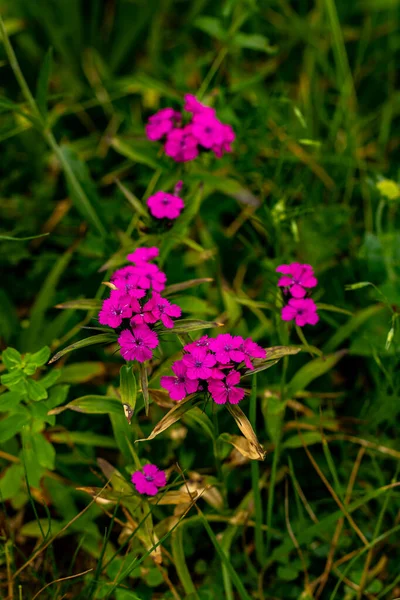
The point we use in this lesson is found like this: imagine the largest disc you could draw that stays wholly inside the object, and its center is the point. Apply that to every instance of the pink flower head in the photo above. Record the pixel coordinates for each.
(223, 391)
(144, 315)
(181, 145)
(199, 363)
(161, 123)
(203, 342)
(143, 255)
(208, 130)
(180, 385)
(163, 310)
(124, 273)
(297, 278)
(226, 145)
(149, 480)
(128, 286)
(149, 276)
(165, 206)
(251, 350)
(194, 106)
(302, 310)
(116, 308)
(227, 348)
(138, 343)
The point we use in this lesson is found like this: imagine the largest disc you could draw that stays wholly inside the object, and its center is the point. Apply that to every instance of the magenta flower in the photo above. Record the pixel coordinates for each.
(149, 480)
(149, 276)
(251, 350)
(127, 285)
(199, 363)
(227, 348)
(143, 255)
(116, 308)
(124, 273)
(223, 391)
(144, 315)
(180, 385)
(207, 130)
(194, 106)
(203, 342)
(138, 343)
(165, 206)
(302, 310)
(161, 123)
(181, 145)
(163, 310)
(297, 278)
(226, 145)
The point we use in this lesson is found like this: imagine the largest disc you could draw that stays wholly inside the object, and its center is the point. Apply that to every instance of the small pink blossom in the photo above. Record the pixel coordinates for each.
(143, 255)
(144, 315)
(128, 286)
(226, 145)
(116, 308)
(181, 145)
(297, 278)
(180, 385)
(208, 130)
(148, 276)
(194, 106)
(203, 342)
(149, 480)
(163, 310)
(165, 206)
(138, 343)
(199, 363)
(124, 273)
(161, 123)
(302, 310)
(251, 350)
(227, 348)
(223, 391)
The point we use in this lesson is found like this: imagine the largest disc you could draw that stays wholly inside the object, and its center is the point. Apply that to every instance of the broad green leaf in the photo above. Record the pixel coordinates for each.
(42, 86)
(35, 390)
(92, 405)
(11, 425)
(186, 325)
(10, 482)
(102, 338)
(40, 358)
(12, 378)
(34, 471)
(82, 304)
(315, 368)
(44, 452)
(11, 358)
(81, 372)
(9, 400)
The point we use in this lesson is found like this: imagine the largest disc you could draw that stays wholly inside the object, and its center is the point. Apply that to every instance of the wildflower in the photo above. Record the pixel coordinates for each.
(127, 285)
(138, 343)
(124, 273)
(149, 480)
(223, 391)
(297, 278)
(251, 350)
(181, 145)
(203, 342)
(194, 106)
(116, 308)
(143, 255)
(227, 348)
(165, 206)
(179, 385)
(161, 123)
(226, 145)
(144, 315)
(163, 310)
(148, 276)
(199, 363)
(207, 130)
(302, 310)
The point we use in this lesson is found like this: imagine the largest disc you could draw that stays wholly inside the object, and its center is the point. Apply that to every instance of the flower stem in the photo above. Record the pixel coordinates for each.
(255, 480)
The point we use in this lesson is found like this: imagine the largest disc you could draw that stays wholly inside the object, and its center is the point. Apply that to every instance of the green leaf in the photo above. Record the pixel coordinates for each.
(36, 391)
(10, 482)
(40, 358)
(303, 439)
(44, 452)
(50, 378)
(10, 238)
(273, 355)
(92, 405)
(9, 401)
(10, 426)
(331, 308)
(211, 26)
(352, 325)
(128, 387)
(315, 368)
(253, 41)
(82, 304)
(144, 383)
(137, 151)
(81, 372)
(186, 325)
(11, 358)
(42, 86)
(103, 338)
(185, 285)
(12, 378)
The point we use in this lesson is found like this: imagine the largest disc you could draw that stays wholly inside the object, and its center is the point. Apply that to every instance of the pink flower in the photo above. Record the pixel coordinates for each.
(116, 308)
(144, 315)
(194, 106)
(148, 276)
(161, 123)
(251, 350)
(303, 311)
(297, 278)
(222, 391)
(227, 348)
(208, 130)
(226, 145)
(149, 480)
(143, 255)
(181, 145)
(127, 285)
(138, 343)
(164, 310)
(180, 385)
(199, 363)
(165, 206)
(124, 273)
(203, 342)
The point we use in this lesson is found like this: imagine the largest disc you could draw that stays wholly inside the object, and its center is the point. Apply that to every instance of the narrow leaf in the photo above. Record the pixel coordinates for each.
(315, 368)
(172, 416)
(82, 304)
(42, 86)
(186, 325)
(145, 387)
(92, 405)
(128, 387)
(185, 285)
(10, 238)
(102, 338)
(245, 427)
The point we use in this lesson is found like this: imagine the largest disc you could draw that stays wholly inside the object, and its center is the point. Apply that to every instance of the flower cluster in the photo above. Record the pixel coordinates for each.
(135, 305)
(165, 206)
(148, 480)
(183, 140)
(213, 365)
(297, 280)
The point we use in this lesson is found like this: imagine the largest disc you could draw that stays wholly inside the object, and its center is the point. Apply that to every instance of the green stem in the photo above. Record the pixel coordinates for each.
(255, 480)
(180, 563)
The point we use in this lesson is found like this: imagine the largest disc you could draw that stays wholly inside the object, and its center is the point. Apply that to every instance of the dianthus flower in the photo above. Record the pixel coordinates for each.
(149, 480)
(179, 385)
(227, 348)
(226, 144)
(199, 363)
(207, 130)
(165, 206)
(163, 310)
(127, 285)
(181, 145)
(297, 278)
(149, 276)
(116, 308)
(138, 343)
(203, 342)
(302, 310)
(251, 350)
(225, 391)
(161, 123)
(144, 315)
(143, 255)
(195, 106)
